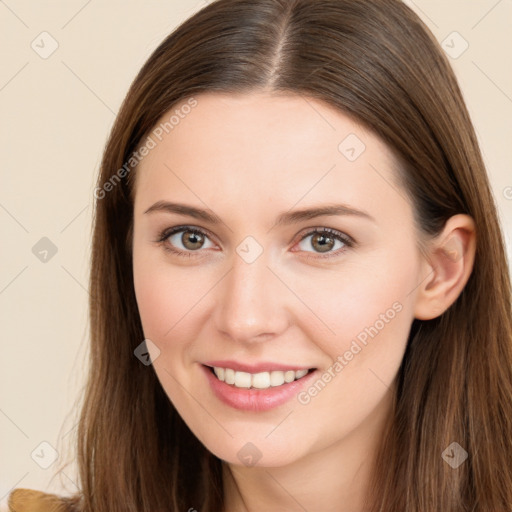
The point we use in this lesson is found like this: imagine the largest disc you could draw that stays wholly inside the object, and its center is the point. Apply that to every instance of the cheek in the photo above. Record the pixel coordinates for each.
(371, 315)
(366, 308)
(168, 298)
(155, 298)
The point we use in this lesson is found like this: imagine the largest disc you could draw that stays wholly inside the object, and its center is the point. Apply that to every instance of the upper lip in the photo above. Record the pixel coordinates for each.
(256, 367)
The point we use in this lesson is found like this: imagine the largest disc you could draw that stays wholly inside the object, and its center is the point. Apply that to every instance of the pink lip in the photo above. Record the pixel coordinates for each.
(255, 368)
(256, 400)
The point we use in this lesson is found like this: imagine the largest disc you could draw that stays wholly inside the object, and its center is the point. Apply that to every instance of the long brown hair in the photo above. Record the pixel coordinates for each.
(377, 62)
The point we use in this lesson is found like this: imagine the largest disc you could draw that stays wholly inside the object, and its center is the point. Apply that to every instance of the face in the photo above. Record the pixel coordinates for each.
(271, 240)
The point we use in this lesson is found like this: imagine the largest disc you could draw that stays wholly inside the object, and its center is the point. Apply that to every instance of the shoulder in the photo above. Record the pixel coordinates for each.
(28, 500)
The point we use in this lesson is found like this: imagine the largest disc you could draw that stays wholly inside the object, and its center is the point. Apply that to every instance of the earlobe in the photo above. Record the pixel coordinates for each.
(447, 268)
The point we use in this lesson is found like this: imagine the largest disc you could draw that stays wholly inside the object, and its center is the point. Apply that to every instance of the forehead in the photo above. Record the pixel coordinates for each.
(257, 149)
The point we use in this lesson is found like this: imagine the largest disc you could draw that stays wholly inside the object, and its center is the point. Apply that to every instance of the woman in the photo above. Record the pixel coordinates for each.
(295, 227)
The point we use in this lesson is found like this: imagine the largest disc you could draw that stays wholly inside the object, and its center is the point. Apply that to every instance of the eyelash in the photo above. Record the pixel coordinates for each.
(164, 235)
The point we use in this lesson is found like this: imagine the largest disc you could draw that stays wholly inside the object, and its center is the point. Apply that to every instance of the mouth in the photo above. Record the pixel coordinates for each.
(259, 380)
(256, 387)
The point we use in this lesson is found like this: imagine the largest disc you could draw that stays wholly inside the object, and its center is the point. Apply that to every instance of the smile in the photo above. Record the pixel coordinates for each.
(261, 380)
(256, 388)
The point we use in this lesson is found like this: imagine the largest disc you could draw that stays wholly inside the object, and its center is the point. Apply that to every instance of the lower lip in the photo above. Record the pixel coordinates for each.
(255, 399)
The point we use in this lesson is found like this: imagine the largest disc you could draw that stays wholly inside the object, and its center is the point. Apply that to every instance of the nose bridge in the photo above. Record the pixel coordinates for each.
(251, 303)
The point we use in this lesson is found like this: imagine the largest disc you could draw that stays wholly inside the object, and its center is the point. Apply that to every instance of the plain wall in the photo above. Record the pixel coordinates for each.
(56, 113)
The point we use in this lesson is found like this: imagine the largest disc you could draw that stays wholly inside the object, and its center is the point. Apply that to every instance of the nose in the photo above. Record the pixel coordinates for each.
(252, 302)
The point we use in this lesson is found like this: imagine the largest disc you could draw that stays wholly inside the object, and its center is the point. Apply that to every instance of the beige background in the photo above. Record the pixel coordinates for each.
(56, 113)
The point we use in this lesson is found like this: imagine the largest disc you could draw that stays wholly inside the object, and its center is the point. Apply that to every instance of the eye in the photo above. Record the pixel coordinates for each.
(326, 242)
(184, 240)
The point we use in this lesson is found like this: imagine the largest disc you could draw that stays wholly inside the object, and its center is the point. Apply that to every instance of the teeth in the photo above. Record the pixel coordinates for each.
(229, 376)
(276, 378)
(242, 380)
(262, 380)
(289, 376)
(220, 372)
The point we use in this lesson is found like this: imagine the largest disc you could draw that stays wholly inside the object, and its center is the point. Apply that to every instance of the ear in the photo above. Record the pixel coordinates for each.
(448, 262)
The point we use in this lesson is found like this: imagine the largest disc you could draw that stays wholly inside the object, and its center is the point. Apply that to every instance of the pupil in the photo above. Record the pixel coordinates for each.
(326, 242)
(192, 240)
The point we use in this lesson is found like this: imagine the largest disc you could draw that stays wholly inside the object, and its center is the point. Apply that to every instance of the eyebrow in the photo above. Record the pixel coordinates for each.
(289, 217)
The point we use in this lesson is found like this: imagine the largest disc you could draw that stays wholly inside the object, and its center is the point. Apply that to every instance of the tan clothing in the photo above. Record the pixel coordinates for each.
(27, 500)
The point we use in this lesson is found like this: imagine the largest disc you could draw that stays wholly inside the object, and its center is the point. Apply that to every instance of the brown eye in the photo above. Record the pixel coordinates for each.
(327, 241)
(192, 240)
(322, 243)
(185, 240)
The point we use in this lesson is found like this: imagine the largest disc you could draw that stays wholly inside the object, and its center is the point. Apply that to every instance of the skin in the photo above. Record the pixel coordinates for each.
(247, 158)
